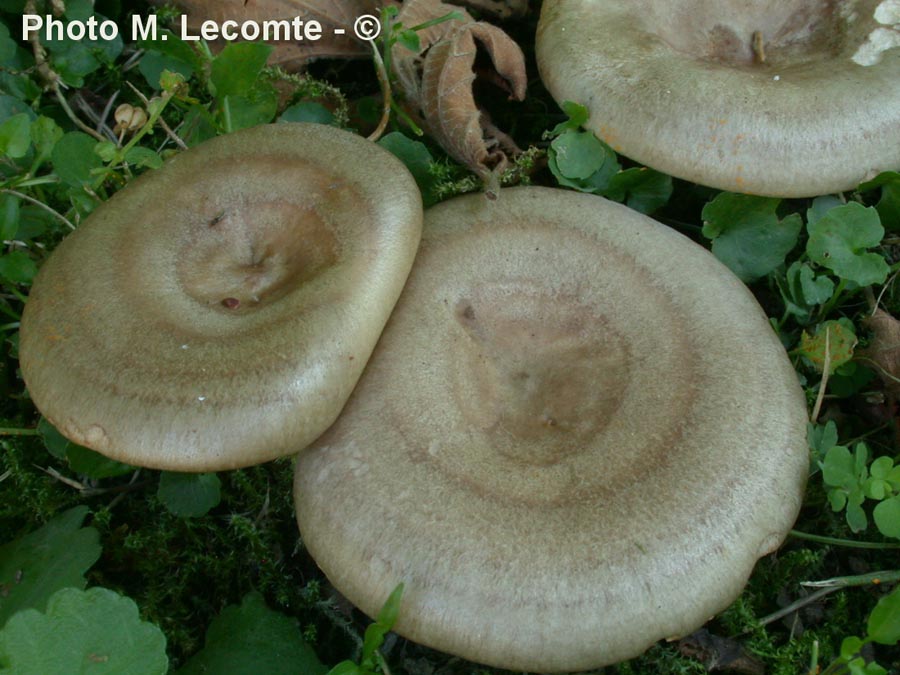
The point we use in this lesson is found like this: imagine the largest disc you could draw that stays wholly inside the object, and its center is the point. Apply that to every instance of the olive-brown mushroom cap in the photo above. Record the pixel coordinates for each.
(783, 98)
(575, 437)
(217, 312)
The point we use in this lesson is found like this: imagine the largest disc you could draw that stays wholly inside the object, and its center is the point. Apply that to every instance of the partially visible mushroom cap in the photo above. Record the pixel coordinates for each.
(575, 437)
(218, 311)
(787, 98)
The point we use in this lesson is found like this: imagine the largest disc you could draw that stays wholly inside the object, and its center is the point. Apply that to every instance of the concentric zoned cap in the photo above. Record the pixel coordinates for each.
(218, 311)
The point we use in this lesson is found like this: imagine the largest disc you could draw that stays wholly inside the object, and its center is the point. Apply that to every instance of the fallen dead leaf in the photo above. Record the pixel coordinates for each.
(884, 349)
(436, 84)
(718, 653)
(502, 9)
(291, 55)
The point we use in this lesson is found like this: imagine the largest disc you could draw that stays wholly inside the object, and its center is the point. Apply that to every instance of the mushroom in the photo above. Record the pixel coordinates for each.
(783, 98)
(575, 437)
(217, 312)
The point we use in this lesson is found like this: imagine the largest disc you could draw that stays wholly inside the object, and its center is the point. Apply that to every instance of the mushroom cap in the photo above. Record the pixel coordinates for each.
(575, 437)
(680, 87)
(217, 312)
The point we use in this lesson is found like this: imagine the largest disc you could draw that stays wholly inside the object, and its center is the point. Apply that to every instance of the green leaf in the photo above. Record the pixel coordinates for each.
(250, 639)
(237, 67)
(850, 647)
(641, 189)
(417, 159)
(79, 10)
(7, 46)
(140, 156)
(93, 632)
(106, 150)
(822, 205)
(87, 462)
(887, 517)
(310, 111)
(838, 468)
(346, 668)
(816, 290)
(856, 516)
(837, 499)
(839, 239)
(888, 206)
(577, 114)
(74, 158)
(822, 438)
(189, 495)
(259, 107)
(410, 40)
(55, 442)
(578, 154)
(747, 235)
(850, 379)
(37, 565)
(9, 216)
(884, 621)
(19, 85)
(881, 467)
(15, 136)
(840, 339)
(10, 106)
(83, 461)
(391, 608)
(172, 54)
(17, 268)
(45, 134)
(376, 631)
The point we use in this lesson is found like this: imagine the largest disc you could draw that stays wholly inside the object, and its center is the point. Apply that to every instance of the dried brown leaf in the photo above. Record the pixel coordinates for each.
(718, 653)
(291, 55)
(502, 9)
(884, 348)
(437, 84)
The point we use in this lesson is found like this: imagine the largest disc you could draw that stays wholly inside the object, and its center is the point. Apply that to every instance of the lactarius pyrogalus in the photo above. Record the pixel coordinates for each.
(575, 437)
(786, 98)
(218, 311)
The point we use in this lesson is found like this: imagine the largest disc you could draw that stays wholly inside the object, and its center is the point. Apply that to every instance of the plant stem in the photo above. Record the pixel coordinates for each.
(882, 577)
(18, 432)
(849, 543)
(384, 81)
(56, 214)
(829, 586)
(826, 368)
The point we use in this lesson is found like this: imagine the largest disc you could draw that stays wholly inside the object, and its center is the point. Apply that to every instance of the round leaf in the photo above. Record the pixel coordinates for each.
(887, 517)
(74, 158)
(93, 632)
(189, 495)
(884, 621)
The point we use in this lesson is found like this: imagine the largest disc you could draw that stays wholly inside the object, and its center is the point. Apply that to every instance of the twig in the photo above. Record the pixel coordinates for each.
(126, 488)
(385, 83)
(264, 510)
(6, 474)
(826, 367)
(883, 291)
(51, 77)
(72, 116)
(50, 471)
(833, 541)
(31, 200)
